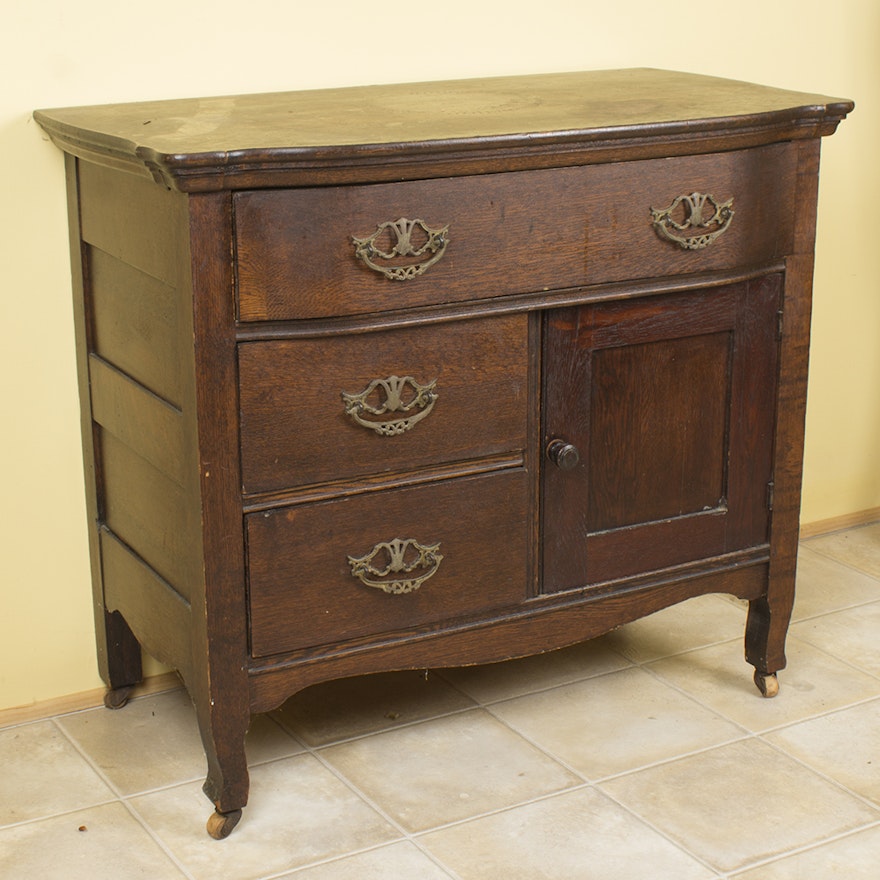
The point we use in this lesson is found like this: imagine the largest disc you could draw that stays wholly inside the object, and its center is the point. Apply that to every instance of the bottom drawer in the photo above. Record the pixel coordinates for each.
(384, 561)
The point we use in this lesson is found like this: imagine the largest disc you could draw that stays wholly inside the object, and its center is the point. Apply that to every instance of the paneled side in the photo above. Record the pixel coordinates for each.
(138, 306)
(135, 220)
(136, 324)
(142, 421)
(158, 614)
(149, 512)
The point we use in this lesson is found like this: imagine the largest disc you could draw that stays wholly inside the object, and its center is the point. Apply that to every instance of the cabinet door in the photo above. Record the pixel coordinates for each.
(658, 431)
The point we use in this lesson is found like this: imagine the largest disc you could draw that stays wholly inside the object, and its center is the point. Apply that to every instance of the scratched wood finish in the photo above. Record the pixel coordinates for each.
(673, 417)
(435, 129)
(293, 412)
(303, 593)
(557, 229)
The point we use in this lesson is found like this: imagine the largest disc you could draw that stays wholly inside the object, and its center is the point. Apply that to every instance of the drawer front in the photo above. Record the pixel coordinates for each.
(315, 410)
(388, 561)
(311, 253)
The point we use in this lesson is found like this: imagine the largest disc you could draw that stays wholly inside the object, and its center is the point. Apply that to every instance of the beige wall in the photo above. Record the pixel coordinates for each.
(57, 53)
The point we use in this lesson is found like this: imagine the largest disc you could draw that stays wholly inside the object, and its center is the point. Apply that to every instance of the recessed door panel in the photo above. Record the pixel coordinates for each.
(669, 402)
(659, 420)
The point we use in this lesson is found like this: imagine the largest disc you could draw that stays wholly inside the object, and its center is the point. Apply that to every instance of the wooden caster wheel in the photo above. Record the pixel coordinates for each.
(220, 825)
(116, 698)
(768, 683)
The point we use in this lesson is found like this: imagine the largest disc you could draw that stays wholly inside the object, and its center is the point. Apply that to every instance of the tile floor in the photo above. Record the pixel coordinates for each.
(647, 754)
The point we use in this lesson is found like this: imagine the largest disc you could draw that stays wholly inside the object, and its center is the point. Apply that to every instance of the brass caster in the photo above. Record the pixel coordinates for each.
(220, 825)
(116, 698)
(768, 683)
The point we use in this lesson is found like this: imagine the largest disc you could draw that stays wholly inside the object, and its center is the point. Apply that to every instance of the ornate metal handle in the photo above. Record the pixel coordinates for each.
(424, 397)
(695, 217)
(408, 238)
(400, 557)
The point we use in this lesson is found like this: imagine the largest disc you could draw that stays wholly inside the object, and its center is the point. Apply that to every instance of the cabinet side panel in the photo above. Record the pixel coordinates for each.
(158, 614)
(135, 220)
(118, 653)
(149, 512)
(136, 324)
(136, 352)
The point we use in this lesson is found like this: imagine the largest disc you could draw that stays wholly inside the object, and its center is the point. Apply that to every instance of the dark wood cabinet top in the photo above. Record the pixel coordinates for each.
(465, 126)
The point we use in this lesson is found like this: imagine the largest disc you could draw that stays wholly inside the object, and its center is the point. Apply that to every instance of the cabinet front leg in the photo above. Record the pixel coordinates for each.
(227, 782)
(766, 629)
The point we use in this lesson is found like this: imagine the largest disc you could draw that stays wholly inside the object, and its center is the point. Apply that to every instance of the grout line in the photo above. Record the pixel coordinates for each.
(694, 698)
(835, 711)
(88, 759)
(685, 651)
(384, 730)
(541, 798)
(358, 852)
(875, 807)
(59, 815)
(157, 838)
(806, 618)
(663, 834)
(675, 758)
(842, 562)
(118, 798)
(365, 798)
(845, 660)
(315, 752)
(643, 820)
(497, 701)
(791, 723)
(540, 689)
(799, 850)
(405, 836)
(124, 800)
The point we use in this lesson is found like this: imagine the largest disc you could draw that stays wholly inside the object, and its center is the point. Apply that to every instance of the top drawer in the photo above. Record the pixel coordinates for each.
(498, 234)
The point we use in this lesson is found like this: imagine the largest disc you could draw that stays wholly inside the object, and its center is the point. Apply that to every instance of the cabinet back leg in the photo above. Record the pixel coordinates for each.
(119, 657)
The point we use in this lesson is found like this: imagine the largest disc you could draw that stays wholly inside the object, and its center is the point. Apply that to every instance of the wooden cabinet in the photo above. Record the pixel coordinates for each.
(415, 376)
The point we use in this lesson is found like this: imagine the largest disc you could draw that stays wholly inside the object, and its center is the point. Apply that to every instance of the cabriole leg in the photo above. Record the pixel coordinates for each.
(228, 782)
(766, 630)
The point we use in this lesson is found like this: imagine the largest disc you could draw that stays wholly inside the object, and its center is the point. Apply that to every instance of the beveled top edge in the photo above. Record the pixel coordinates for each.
(180, 140)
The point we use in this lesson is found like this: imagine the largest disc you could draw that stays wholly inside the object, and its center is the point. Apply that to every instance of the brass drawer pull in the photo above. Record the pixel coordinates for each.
(423, 399)
(406, 239)
(400, 557)
(695, 218)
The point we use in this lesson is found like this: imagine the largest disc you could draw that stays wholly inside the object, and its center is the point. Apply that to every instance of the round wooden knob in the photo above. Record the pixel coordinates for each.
(564, 455)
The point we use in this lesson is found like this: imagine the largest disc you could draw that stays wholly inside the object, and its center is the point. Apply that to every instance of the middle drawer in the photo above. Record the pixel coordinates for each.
(349, 406)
